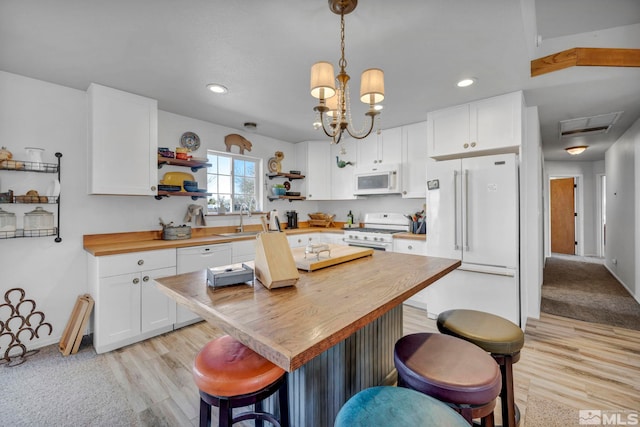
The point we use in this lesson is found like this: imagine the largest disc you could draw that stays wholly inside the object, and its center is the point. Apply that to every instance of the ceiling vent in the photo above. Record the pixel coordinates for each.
(585, 126)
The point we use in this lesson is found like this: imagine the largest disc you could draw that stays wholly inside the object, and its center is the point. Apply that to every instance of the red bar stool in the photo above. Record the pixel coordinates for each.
(498, 336)
(230, 375)
(451, 370)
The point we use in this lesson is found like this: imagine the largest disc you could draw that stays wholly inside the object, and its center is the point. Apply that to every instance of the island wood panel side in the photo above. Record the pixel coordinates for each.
(292, 325)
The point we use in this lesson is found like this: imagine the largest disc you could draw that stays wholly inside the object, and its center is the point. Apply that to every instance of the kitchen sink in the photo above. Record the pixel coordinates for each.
(240, 234)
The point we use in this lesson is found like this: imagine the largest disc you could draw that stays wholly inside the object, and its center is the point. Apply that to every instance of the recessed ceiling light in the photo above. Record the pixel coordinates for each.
(576, 150)
(217, 88)
(466, 82)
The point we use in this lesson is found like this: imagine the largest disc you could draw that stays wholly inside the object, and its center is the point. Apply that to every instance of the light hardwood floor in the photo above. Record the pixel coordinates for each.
(565, 366)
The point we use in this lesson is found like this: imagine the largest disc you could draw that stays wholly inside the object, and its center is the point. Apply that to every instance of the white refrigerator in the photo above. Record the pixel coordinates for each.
(472, 215)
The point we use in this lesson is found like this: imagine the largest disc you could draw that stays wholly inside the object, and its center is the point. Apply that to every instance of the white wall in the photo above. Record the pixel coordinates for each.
(623, 192)
(586, 202)
(39, 114)
(531, 207)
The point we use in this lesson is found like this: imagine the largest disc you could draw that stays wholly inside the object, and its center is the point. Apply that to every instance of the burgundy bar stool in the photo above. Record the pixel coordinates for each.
(498, 336)
(451, 370)
(230, 375)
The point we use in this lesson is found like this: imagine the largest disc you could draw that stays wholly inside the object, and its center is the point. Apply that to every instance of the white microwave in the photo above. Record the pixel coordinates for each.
(381, 179)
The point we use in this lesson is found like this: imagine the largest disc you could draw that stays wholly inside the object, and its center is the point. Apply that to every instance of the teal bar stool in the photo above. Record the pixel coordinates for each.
(386, 406)
(497, 336)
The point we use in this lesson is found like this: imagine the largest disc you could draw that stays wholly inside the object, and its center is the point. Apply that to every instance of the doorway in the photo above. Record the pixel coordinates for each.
(563, 215)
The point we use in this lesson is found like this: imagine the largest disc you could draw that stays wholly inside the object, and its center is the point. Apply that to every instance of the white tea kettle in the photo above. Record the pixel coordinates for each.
(274, 221)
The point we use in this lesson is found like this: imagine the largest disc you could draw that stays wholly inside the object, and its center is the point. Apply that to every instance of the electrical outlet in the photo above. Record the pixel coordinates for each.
(614, 261)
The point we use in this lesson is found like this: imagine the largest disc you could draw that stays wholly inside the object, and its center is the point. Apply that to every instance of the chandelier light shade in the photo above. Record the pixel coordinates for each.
(574, 151)
(333, 91)
(323, 81)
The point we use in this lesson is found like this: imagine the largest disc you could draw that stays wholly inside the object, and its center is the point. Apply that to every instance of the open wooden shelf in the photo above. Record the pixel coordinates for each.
(193, 195)
(289, 176)
(193, 164)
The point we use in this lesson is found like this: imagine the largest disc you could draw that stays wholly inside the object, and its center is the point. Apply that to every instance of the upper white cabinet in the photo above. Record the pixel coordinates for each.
(488, 126)
(342, 182)
(380, 147)
(123, 142)
(414, 160)
(313, 158)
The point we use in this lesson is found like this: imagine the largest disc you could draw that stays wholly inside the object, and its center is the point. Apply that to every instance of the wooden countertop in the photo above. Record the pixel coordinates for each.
(292, 325)
(140, 241)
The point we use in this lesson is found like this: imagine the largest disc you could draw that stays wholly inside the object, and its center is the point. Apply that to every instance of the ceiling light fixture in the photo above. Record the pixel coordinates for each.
(335, 102)
(217, 88)
(574, 151)
(466, 82)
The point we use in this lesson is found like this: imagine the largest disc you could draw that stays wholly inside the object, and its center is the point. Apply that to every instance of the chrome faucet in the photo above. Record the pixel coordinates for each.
(243, 208)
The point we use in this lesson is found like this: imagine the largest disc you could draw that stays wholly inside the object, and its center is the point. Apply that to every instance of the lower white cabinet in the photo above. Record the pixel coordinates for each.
(410, 246)
(128, 306)
(243, 251)
(414, 247)
(196, 258)
(299, 240)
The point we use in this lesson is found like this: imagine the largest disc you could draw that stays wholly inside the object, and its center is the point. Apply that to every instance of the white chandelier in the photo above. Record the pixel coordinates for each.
(334, 102)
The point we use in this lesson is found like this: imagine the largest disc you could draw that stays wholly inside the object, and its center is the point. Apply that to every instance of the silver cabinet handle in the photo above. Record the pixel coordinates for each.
(466, 209)
(145, 279)
(136, 281)
(455, 210)
(140, 261)
(410, 247)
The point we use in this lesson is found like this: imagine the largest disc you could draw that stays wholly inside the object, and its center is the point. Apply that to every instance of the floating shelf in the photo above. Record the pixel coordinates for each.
(194, 196)
(195, 165)
(289, 176)
(289, 198)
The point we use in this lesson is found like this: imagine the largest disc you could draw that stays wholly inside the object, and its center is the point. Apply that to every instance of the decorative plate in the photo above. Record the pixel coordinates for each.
(190, 140)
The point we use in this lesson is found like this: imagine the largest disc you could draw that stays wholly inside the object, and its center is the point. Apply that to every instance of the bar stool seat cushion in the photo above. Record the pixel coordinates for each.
(492, 333)
(226, 367)
(447, 368)
(396, 406)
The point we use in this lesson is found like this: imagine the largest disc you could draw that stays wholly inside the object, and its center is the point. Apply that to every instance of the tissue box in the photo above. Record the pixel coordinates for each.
(229, 275)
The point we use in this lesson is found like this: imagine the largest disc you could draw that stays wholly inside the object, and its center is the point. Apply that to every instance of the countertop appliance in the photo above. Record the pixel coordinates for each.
(199, 258)
(472, 215)
(381, 179)
(378, 231)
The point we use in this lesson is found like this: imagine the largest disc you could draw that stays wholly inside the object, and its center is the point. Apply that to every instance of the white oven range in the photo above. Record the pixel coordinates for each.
(378, 231)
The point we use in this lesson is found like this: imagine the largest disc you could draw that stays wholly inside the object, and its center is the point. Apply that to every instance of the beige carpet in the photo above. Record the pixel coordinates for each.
(587, 291)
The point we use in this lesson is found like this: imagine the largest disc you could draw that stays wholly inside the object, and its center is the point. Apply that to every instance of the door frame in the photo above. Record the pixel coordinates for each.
(579, 207)
(600, 213)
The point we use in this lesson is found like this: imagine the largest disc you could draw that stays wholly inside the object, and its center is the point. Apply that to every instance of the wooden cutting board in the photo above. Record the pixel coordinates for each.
(338, 254)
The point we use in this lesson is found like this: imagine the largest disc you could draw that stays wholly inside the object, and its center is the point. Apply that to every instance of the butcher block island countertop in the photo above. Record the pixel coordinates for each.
(292, 325)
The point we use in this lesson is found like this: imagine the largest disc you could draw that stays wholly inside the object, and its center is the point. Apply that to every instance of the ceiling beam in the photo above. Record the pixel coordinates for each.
(586, 56)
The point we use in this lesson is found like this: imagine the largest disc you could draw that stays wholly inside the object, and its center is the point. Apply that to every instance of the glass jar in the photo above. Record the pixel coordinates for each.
(7, 224)
(38, 222)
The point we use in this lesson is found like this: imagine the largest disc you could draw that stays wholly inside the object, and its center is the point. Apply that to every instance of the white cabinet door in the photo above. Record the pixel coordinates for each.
(123, 142)
(157, 309)
(496, 123)
(414, 160)
(448, 131)
(342, 181)
(488, 126)
(313, 158)
(380, 147)
(410, 246)
(117, 310)
(243, 250)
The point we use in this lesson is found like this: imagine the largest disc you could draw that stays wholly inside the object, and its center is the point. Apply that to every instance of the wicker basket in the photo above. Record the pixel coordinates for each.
(320, 219)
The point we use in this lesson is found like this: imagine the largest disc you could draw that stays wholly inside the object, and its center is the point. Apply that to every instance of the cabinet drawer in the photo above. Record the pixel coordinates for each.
(406, 246)
(111, 265)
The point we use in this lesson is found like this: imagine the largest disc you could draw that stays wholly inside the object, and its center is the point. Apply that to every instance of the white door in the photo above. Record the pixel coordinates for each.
(158, 310)
(444, 208)
(119, 310)
(490, 210)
